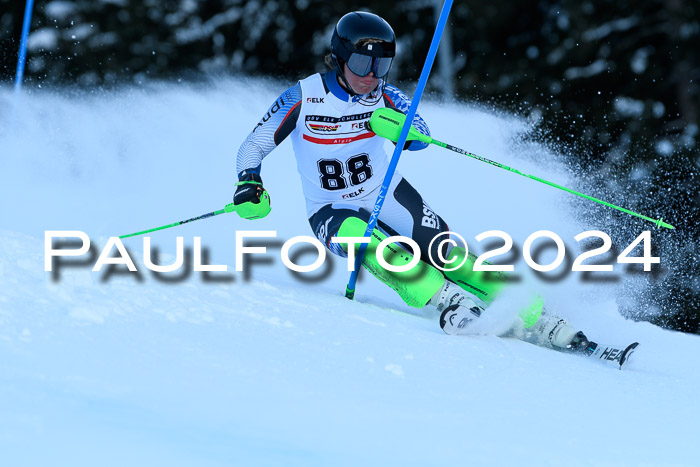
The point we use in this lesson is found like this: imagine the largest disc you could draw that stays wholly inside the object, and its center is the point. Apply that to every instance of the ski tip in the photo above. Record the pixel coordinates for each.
(627, 353)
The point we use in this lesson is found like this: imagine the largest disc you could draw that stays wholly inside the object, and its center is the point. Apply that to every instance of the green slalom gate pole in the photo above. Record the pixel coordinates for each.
(387, 123)
(228, 208)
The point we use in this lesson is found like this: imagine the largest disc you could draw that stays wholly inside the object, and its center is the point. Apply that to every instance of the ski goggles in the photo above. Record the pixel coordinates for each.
(361, 65)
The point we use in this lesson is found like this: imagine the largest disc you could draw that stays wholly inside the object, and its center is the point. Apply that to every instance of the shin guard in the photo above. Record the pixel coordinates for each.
(415, 286)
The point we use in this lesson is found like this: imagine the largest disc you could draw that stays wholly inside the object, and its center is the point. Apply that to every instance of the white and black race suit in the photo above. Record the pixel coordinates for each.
(341, 162)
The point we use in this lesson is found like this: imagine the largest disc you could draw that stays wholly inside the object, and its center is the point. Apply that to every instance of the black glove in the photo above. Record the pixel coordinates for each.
(251, 199)
(248, 192)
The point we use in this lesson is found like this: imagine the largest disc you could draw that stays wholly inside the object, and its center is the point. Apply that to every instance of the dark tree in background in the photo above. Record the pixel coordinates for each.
(614, 85)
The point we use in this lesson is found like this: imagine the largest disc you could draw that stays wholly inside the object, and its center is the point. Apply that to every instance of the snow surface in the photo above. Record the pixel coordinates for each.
(119, 369)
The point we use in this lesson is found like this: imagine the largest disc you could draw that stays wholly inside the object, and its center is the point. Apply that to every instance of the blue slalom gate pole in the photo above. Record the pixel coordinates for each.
(22, 58)
(350, 288)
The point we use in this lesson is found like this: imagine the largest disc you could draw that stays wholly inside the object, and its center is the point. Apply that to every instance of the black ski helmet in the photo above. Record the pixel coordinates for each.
(363, 33)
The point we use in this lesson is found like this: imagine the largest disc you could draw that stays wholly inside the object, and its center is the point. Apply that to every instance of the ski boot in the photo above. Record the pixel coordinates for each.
(554, 332)
(457, 308)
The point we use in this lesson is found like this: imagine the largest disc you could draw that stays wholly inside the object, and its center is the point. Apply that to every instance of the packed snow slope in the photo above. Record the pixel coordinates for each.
(264, 368)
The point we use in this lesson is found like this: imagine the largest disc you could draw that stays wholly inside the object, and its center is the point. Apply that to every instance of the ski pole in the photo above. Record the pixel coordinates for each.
(401, 137)
(387, 123)
(228, 208)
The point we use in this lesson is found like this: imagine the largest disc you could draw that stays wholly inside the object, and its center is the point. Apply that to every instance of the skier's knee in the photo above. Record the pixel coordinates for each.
(351, 227)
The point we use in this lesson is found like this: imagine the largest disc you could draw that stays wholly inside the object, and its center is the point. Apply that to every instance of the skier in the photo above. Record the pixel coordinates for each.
(342, 164)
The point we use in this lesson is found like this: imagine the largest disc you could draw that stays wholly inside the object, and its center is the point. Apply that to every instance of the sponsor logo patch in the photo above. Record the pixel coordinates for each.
(323, 231)
(429, 219)
(321, 127)
(347, 125)
(273, 110)
(353, 195)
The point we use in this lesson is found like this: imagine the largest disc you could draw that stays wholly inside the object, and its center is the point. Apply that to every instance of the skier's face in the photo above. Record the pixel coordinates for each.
(361, 84)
